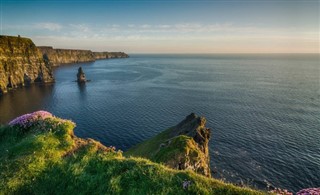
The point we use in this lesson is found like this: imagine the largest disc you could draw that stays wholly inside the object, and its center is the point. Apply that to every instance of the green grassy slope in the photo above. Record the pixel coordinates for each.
(47, 158)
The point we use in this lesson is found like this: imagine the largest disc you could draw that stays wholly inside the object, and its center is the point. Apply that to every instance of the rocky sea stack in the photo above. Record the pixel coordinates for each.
(81, 77)
(183, 147)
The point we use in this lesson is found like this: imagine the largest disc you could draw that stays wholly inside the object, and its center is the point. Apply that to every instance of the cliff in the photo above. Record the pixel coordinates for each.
(21, 63)
(108, 55)
(183, 147)
(39, 154)
(64, 56)
(56, 57)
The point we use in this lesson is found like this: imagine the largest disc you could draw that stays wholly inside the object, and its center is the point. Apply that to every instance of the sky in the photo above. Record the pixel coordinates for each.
(169, 26)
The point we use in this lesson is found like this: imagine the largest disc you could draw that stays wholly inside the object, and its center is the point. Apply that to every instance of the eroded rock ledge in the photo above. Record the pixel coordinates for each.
(184, 146)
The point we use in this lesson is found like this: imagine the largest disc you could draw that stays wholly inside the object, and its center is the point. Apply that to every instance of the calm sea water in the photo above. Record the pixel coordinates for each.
(264, 110)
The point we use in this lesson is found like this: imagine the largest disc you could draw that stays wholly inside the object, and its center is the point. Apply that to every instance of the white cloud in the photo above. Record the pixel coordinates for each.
(48, 26)
(145, 26)
(79, 27)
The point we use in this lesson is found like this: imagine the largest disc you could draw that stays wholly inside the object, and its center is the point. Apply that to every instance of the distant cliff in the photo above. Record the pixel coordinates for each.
(107, 55)
(21, 63)
(56, 57)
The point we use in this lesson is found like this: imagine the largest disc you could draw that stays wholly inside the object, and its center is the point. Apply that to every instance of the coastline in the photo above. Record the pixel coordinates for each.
(23, 63)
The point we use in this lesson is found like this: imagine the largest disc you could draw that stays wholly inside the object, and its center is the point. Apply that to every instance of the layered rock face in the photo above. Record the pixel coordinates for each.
(184, 146)
(56, 57)
(21, 63)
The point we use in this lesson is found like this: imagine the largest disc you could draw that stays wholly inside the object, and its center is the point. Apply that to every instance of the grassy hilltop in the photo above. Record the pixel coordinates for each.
(39, 154)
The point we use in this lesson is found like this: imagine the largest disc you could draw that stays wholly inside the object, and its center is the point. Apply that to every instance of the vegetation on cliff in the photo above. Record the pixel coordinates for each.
(39, 154)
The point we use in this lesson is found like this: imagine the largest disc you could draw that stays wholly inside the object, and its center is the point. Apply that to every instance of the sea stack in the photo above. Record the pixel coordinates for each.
(81, 77)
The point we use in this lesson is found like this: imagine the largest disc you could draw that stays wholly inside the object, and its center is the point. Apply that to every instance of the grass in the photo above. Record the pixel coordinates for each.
(149, 148)
(53, 161)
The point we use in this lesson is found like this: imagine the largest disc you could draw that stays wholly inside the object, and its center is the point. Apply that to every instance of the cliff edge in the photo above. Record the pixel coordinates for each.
(21, 63)
(183, 147)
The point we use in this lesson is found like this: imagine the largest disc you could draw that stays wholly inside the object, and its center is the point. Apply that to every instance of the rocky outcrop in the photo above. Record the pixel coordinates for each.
(184, 146)
(21, 63)
(194, 127)
(81, 77)
(56, 57)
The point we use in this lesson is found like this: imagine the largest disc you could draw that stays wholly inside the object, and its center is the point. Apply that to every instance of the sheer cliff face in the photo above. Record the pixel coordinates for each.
(56, 57)
(184, 146)
(64, 56)
(21, 63)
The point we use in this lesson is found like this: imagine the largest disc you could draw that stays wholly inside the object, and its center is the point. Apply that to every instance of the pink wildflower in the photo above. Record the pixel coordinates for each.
(309, 191)
(27, 120)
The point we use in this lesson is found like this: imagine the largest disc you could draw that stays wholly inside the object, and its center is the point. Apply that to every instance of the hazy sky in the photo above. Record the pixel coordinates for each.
(177, 26)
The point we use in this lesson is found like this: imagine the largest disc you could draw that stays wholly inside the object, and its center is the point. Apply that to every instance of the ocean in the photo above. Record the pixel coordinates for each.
(263, 109)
